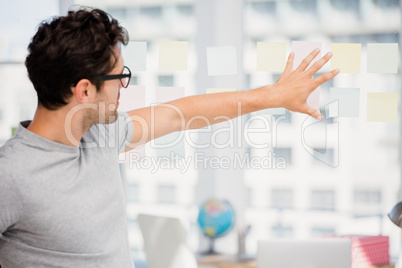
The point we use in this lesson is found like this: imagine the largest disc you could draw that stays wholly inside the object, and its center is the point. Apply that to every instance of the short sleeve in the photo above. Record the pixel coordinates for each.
(10, 202)
(125, 129)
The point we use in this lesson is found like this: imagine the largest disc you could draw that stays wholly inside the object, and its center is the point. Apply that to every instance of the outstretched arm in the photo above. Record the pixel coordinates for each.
(290, 91)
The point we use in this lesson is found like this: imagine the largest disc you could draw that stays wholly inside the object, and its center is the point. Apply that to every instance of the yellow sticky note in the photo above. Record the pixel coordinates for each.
(271, 56)
(173, 55)
(346, 57)
(382, 107)
(219, 90)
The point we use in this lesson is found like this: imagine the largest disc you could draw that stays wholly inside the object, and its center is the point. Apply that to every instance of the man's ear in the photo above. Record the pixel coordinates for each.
(84, 91)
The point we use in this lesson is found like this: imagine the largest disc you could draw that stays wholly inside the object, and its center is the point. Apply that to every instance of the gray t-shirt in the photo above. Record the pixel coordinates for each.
(64, 206)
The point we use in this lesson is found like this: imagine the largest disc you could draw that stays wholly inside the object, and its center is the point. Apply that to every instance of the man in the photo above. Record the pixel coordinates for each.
(61, 197)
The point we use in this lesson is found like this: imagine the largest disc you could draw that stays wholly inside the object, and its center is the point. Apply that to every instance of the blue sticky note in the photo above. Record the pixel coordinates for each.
(348, 102)
(382, 58)
(135, 56)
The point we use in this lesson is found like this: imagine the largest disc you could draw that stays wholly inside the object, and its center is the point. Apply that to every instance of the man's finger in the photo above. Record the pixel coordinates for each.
(318, 65)
(324, 78)
(312, 112)
(307, 60)
(289, 63)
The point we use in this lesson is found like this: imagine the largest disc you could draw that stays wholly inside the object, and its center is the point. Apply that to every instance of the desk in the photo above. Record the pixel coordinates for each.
(226, 261)
(231, 261)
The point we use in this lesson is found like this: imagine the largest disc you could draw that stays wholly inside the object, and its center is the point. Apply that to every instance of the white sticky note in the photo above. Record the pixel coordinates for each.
(313, 99)
(131, 98)
(348, 102)
(173, 55)
(221, 60)
(271, 56)
(166, 94)
(219, 90)
(346, 57)
(302, 49)
(135, 56)
(382, 107)
(382, 58)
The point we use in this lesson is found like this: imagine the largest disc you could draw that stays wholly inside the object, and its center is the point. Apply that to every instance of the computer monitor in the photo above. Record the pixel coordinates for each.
(313, 253)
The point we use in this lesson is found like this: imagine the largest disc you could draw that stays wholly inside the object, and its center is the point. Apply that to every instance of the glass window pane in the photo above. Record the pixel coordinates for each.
(280, 231)
(166, 194)
(284, 153)
(133, 192)
(322, 231)
(282, 198)
(323, 200)
(154, 12)
(166, 80)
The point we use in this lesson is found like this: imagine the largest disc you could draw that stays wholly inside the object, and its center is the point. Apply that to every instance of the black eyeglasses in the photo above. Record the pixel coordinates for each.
(124, 77)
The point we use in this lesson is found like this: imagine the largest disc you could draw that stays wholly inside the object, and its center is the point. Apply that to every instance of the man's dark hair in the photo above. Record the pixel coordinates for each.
(70, 48)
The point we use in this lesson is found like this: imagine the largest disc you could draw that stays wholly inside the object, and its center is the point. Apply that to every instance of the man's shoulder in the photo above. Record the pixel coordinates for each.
(10, 148)
(9, 156)
(15, 156)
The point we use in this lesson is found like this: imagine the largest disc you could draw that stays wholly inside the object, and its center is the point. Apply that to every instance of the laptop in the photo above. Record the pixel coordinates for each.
(165, 242)
(312, 253)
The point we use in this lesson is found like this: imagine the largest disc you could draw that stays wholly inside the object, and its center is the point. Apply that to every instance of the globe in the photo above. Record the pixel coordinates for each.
(215, 218)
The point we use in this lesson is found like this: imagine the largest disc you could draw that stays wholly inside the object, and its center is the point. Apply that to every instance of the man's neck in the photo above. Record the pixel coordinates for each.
(57, 126)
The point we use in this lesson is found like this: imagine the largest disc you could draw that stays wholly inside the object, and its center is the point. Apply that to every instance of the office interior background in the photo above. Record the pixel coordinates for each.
(349, 189)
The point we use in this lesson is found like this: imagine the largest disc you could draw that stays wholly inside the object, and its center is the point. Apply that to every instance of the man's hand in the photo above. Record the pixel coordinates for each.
(293, 87)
